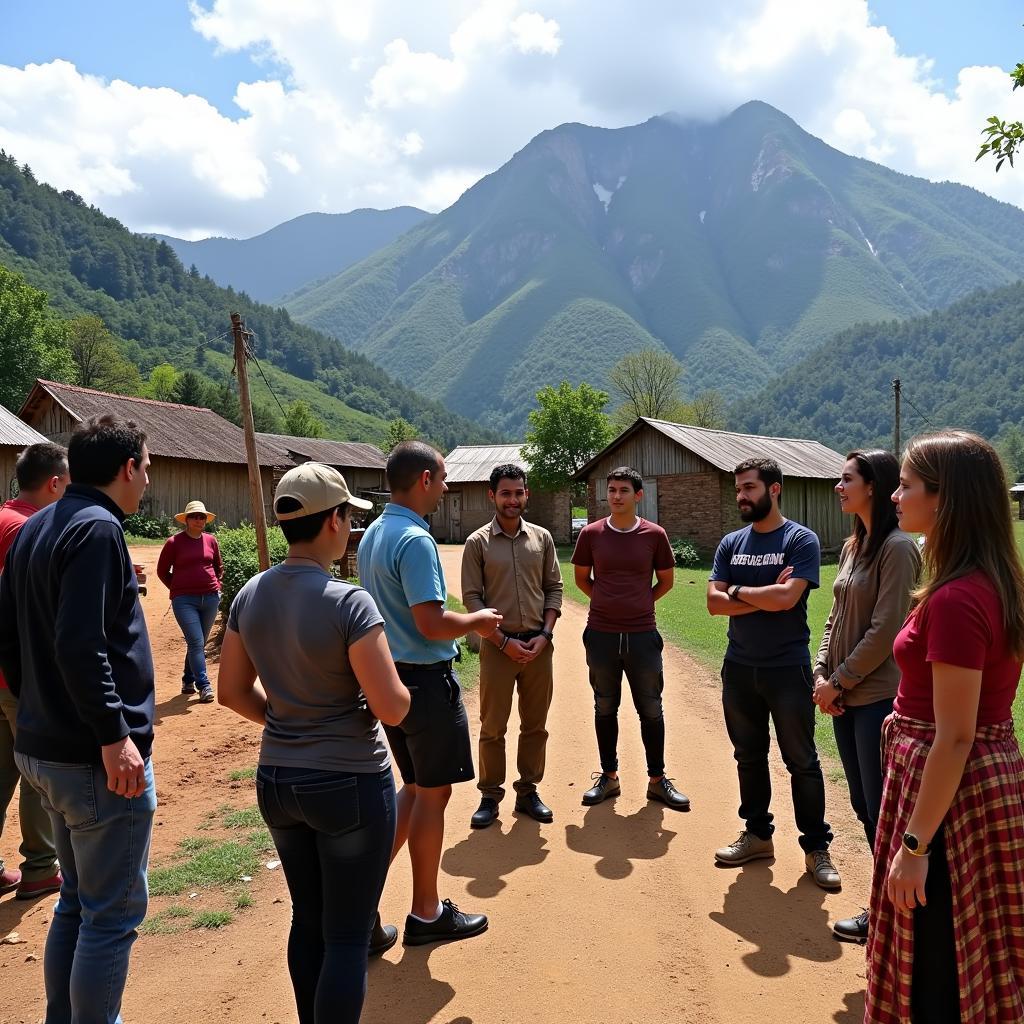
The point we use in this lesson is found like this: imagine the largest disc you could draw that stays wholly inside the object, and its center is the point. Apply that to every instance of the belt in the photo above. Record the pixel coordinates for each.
(434, 666)
(526, 634)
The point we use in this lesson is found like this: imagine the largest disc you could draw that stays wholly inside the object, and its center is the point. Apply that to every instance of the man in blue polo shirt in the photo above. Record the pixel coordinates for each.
(400, 566)
(761, 578)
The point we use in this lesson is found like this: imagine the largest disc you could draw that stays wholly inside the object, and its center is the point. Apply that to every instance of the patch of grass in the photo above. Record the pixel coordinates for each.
(193, 844)
(243, 900)
(212, 867)
(212, 919)
(242, 774)
(144, 542)
(246, 817)
(261, 839)
(168, 921)
(468, 669)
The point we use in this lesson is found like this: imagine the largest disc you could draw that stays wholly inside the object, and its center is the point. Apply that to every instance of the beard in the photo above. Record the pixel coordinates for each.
(757, 510)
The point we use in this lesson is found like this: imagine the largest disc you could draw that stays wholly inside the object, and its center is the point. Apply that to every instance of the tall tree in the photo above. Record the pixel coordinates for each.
(568, 430)
(706, 410)
(32, 341)
(98, 359)
(191, 389)
(647, 382)
(163, 383)
(300, 422)
(399, 430)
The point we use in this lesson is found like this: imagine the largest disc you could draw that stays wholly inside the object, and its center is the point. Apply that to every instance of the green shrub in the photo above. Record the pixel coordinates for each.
(151, 527)
(241, 559)
(685, 553)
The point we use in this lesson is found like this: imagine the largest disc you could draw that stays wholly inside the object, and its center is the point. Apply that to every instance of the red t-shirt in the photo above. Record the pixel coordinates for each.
(624, 565)
(13, 514)
(960, 624)
(190, 565)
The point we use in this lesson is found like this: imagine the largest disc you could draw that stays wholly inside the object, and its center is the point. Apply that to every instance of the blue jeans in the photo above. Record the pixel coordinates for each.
(750, 696)
(195, 614)
(102, 844)
(859, 740)
(333, 832)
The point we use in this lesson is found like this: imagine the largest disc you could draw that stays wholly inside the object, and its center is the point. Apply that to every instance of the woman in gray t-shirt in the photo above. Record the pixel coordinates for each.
(324, 782)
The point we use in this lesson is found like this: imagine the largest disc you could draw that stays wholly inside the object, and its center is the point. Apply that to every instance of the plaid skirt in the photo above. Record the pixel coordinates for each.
(984, 833)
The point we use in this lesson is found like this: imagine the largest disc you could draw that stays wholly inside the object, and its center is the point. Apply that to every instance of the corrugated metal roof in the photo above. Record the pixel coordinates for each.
(472, 463)
(356, 454)
(16, 432)
(172, 431)
(725, 449)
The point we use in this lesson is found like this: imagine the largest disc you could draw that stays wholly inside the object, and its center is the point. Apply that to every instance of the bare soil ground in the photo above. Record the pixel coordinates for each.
(613, 914)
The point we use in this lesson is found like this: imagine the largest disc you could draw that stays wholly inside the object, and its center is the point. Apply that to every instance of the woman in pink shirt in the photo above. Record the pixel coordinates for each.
(191, 568)
(947, 898)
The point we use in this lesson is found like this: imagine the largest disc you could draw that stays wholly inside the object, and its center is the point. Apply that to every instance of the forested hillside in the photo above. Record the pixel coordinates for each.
(87, 262)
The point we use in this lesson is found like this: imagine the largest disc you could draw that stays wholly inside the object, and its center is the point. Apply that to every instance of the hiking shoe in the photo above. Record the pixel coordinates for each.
(822, 870)
(664, 791)
(450, 926)
(603, 788)
(744, 848)
(33, 890)
(382, 938)
(486, 814)
(206, 695)
(188, 688)
(852, 929)
(532, 805)
(10, 879)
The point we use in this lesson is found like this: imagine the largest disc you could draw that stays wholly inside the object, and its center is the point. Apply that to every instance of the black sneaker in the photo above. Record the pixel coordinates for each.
(603, 788)
(382, 938)
(664, 791)
(450, 926)
(486, 814)
(852, 929)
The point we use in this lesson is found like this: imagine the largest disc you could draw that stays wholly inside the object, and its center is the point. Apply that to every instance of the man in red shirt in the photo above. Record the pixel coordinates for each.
(42, 474)
(616, 562)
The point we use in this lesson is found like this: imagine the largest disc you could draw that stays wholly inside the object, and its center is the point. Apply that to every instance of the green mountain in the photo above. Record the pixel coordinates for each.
(297, 252)
(738, 246)
(89, 263)
(962, 366)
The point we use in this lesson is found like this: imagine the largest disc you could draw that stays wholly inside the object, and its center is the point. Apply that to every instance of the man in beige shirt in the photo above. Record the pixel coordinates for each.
(512, 566)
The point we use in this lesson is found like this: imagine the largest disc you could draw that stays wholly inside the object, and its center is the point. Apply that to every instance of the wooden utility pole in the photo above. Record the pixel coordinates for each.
(896, 389)
(259, 517)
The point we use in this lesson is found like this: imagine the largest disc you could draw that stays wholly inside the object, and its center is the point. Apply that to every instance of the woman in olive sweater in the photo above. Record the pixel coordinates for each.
(855, 677)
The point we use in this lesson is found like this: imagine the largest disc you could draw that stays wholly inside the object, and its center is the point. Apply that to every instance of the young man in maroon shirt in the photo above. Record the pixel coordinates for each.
(42, 474)
(616, 560)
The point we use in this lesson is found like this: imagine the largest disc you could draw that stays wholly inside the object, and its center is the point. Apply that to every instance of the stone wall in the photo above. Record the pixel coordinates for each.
(553, 511)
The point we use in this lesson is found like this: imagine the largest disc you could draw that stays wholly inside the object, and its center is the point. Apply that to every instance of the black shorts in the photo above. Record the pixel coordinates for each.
(431, 745)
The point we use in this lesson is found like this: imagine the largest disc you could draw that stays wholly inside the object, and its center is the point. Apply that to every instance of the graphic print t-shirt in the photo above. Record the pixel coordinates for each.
(624, 565)
(752, 559)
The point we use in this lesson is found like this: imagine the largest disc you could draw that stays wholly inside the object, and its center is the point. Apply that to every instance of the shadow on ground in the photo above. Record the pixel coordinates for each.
(487, 856)
(618, 840)
(407, 992)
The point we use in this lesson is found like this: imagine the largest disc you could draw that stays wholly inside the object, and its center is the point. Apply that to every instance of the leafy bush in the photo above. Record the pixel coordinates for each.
(241, 558)
(150, 527)
(685, 553)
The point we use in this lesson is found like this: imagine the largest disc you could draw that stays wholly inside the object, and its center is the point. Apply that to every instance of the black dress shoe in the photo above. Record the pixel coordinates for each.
(383, 937)
(450, 926)
(604, 788)
(852, 929)
(486, 814)
(531, 804)
(664, 791)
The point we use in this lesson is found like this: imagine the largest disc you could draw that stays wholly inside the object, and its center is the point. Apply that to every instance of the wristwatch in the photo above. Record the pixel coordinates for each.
(914, 846)
(548, 634)
(734, 591)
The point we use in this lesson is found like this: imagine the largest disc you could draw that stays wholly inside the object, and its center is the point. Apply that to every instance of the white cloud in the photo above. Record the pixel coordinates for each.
(381, 102)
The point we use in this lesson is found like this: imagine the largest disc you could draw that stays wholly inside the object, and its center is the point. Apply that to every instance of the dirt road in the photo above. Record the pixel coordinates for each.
(613, 914)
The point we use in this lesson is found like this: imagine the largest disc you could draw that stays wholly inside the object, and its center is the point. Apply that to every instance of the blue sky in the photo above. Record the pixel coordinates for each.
(268, 109)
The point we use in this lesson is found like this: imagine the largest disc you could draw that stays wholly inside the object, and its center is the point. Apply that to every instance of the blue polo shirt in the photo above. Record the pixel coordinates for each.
(400, 566)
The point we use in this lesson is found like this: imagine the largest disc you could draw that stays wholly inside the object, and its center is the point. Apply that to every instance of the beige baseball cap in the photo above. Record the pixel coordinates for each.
(316, 488)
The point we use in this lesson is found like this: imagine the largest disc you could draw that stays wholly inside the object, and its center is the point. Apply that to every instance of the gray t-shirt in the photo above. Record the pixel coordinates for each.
(297, 624)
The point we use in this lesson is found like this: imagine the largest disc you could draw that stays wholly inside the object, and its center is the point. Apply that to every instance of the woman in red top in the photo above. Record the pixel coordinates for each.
(190, 567)
(947, 899)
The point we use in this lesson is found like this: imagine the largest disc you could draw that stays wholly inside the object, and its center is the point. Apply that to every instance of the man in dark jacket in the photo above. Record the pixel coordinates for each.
(75, 651)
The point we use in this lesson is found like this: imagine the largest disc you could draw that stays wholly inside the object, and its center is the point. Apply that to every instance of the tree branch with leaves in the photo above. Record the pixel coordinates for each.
(1004, 139)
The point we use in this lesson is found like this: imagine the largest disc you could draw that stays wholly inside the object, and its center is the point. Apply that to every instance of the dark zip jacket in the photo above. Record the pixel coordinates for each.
(73, 639)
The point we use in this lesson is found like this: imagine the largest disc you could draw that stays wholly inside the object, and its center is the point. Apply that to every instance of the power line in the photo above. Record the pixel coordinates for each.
(252, 355)
(927, 421)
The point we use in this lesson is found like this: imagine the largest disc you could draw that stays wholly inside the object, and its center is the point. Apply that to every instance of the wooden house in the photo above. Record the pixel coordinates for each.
(689, 486)
(466, 506)
(15, 437)
(362, 465)
(195, 453)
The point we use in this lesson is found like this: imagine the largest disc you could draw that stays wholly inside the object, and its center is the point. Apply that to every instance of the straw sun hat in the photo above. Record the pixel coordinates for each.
(192, 507)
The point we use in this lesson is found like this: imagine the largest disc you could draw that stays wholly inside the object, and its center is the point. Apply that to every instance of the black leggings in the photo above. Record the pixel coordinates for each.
(935, 990)
(333, 832)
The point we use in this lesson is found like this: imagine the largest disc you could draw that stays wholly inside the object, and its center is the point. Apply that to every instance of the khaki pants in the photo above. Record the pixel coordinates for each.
(39, 859)
(498, 678)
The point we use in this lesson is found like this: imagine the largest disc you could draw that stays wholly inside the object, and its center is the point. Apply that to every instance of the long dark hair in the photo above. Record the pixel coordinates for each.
(973, 527)
(882, 470)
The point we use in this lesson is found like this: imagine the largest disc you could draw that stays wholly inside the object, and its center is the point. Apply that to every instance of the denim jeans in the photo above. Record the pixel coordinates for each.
(750, 696)
(859, 740)
(195, 614)
(333, 832)
(102, 842)
(639, 656)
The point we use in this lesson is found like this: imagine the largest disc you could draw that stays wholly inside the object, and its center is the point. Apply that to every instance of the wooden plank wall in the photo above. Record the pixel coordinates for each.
(8, 456)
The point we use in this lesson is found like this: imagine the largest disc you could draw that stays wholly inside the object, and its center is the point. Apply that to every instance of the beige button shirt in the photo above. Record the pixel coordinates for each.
(519, 576)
